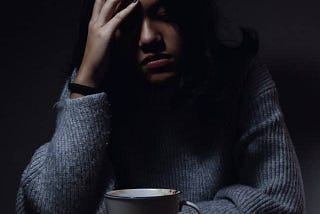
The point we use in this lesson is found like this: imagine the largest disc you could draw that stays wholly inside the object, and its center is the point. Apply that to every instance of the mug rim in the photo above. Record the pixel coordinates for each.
(109, 196)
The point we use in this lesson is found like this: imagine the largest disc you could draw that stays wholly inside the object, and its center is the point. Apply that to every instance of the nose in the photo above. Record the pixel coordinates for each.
(150, 37)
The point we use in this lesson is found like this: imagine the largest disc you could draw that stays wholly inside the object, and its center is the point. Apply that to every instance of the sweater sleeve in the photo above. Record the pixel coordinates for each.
(269, 176)
(70, 173)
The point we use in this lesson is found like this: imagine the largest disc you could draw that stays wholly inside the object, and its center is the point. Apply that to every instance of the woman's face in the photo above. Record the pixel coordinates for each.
(157, 42)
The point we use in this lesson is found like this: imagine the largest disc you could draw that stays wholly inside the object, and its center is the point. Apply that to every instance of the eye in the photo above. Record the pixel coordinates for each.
(162, 14)
(161, 11)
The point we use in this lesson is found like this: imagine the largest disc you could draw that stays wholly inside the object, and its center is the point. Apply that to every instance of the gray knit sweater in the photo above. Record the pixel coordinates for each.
(256, 173)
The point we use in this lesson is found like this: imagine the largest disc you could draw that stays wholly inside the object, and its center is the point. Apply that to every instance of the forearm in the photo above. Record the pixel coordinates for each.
(72, 170)
(240, 198)
(217, 206)
(78, 150)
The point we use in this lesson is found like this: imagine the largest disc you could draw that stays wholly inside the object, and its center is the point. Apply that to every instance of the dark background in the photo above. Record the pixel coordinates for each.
(36, 40)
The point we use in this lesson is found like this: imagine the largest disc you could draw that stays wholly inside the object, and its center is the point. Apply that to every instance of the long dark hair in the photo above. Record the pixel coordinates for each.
(217, 71)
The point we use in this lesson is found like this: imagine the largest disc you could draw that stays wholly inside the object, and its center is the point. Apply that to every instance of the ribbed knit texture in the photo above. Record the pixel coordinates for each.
(258, 173)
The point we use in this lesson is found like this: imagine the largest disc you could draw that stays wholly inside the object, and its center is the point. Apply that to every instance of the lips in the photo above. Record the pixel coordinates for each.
(156, 61)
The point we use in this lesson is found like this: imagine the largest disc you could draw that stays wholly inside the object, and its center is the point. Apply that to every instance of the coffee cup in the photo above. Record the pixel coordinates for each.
(146, 201)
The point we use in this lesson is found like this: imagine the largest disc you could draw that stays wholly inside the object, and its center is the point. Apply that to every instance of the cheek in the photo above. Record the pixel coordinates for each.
(174, 47)
(174, 38)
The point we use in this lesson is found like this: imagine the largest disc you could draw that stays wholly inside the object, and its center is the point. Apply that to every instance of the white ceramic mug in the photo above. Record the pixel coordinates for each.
(146, 201)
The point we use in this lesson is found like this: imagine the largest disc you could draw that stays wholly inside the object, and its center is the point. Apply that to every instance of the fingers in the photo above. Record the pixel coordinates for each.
(96, 9)
(119, 17)
(107, 11)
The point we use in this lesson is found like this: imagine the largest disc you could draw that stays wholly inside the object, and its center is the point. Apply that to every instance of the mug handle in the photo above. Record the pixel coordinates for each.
(189, 204)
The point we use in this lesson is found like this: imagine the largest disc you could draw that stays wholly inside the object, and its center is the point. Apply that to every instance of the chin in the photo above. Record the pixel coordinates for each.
(159, 78)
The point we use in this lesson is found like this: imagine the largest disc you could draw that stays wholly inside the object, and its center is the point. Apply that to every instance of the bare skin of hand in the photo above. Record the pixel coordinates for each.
(102, 26)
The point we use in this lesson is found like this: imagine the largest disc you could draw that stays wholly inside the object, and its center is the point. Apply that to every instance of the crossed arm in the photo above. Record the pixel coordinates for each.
(70, 173)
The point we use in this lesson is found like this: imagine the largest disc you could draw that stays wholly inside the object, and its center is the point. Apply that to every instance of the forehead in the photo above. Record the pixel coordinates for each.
(149, 4)
(146, 6)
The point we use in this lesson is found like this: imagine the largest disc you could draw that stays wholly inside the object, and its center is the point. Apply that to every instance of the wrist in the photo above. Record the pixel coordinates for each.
(75, 95)
(82, 89)
(88, 78)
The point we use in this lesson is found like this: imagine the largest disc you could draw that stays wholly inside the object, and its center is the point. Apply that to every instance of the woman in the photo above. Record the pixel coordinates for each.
(188, 112)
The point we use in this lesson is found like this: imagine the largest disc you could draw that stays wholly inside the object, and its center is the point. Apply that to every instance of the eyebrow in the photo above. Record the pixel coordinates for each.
(156, 5)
